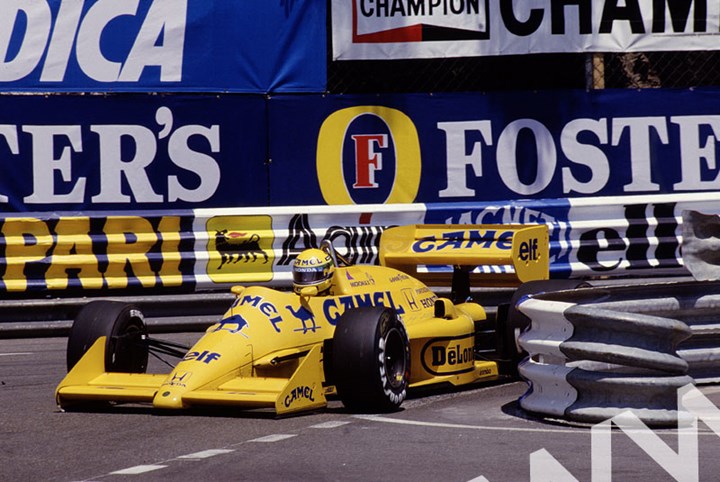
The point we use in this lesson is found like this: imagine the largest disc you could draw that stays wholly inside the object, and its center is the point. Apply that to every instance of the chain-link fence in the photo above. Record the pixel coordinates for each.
(527, 72)
(657, 69)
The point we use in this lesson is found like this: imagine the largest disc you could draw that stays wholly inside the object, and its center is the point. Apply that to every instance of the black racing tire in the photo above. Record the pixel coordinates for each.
(125, 329)
(512, 322)
(371, 360)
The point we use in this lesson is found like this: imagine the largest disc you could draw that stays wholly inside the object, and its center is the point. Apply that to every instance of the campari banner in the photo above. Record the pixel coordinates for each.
(163, 45)
(392, 29)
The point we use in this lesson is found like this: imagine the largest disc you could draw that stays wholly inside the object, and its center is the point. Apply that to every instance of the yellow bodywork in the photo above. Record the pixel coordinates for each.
(268, 349)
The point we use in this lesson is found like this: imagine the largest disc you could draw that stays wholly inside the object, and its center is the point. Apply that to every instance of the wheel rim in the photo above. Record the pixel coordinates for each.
(395, 358)
(126, 353)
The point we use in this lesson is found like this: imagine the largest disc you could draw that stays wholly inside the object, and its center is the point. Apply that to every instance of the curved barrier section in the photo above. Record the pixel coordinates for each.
(596, 352)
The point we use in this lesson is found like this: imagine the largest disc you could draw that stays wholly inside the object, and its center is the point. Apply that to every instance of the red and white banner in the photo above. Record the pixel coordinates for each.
(397, 29)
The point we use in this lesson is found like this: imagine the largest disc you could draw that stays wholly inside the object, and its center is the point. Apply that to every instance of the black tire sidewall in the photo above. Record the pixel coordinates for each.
(361, 342)
(112, 320)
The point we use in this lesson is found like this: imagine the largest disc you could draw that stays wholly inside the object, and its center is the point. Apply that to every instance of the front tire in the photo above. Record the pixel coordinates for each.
(371, 360)
(123, 326)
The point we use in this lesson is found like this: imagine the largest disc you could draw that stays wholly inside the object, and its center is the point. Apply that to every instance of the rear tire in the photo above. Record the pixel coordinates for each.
(371, 360)
(123, 326)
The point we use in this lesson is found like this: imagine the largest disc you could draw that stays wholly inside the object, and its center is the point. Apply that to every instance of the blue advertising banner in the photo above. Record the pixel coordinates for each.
(131, 151)
(444, 148)
(162, 45)
(137, 151)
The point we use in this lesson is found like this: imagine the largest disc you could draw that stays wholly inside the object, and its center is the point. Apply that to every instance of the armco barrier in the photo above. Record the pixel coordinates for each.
(210, 249)
(163, 314)
(596, 352)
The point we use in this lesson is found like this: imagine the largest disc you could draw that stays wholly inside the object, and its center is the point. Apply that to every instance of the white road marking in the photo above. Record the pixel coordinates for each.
(206, 454)
(273, 438)
(378, 418)
(16, 354)
(709, 390)
(581, 430)
(138, 469)
(332, 424)
(479, 479)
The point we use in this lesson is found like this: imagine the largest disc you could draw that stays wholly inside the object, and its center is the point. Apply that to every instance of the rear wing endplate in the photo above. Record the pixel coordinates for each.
(495, 254)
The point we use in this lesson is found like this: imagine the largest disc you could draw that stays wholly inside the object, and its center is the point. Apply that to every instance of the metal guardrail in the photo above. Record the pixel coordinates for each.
(48, 317)
(163, 313)
(596, 352)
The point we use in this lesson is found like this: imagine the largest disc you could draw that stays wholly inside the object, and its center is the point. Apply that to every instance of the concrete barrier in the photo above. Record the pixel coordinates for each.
(595, 352)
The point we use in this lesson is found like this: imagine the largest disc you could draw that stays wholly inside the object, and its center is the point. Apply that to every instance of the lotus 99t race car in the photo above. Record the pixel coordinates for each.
(369, 335)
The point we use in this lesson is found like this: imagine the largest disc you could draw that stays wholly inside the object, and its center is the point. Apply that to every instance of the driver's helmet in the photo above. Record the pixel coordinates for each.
(313, 267)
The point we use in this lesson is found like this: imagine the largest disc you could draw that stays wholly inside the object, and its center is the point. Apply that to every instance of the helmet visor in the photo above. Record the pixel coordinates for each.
(309, 275)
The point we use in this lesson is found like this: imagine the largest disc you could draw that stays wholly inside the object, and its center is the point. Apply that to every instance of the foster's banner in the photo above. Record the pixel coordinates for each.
(385, 29)
(162, 45)
(140, 152)
(463, 148)
(131, 152)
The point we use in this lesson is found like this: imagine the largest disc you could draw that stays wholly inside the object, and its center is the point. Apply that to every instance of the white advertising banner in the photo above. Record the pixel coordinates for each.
(402, 29)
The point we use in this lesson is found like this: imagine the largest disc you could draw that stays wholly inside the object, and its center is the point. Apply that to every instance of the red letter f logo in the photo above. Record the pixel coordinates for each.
(367, 160)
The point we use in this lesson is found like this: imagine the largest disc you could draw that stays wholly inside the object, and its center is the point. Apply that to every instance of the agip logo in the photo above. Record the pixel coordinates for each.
(368, 155)
(240, 248)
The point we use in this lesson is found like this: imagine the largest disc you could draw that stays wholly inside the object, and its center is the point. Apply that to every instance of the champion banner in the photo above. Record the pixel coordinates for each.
(162, 45)
(393, 29)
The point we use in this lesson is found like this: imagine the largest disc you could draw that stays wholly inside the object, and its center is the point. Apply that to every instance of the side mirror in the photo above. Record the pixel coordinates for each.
(444, 308)
(308, 291)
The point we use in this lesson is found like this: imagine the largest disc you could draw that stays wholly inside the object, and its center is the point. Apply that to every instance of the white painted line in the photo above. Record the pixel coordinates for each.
(273, 438)
(331, 424)
(581, 431)
(479, 479)
(377, 418)
(708, 389)
(206, 454)
(15, 354)
(138, 469)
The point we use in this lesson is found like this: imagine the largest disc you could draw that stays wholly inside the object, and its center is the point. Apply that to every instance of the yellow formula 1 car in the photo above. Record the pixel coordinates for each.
(366, 333)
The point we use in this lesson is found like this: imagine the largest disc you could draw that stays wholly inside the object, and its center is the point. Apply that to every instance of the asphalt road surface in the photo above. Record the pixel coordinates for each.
(471, 435)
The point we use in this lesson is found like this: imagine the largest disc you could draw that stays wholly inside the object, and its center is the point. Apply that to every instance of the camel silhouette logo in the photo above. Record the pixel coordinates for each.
(233, 324)
(304, 316)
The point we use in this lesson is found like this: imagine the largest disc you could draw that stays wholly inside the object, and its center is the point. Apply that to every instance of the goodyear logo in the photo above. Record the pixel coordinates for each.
(240, 248)
(362, 151)
(466, 240)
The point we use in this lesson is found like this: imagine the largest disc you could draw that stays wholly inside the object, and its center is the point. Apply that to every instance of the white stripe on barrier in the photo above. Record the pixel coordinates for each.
(549, 328)
(550, 392)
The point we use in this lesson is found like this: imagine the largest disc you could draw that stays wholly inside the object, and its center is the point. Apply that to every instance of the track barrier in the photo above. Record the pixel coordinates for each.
(596, 352)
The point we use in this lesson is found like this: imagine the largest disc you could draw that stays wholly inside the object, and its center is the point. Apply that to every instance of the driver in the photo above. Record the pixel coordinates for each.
(313, 267)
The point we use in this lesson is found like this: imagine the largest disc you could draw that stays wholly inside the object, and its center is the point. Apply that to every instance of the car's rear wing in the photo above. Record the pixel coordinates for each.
(488, 254)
